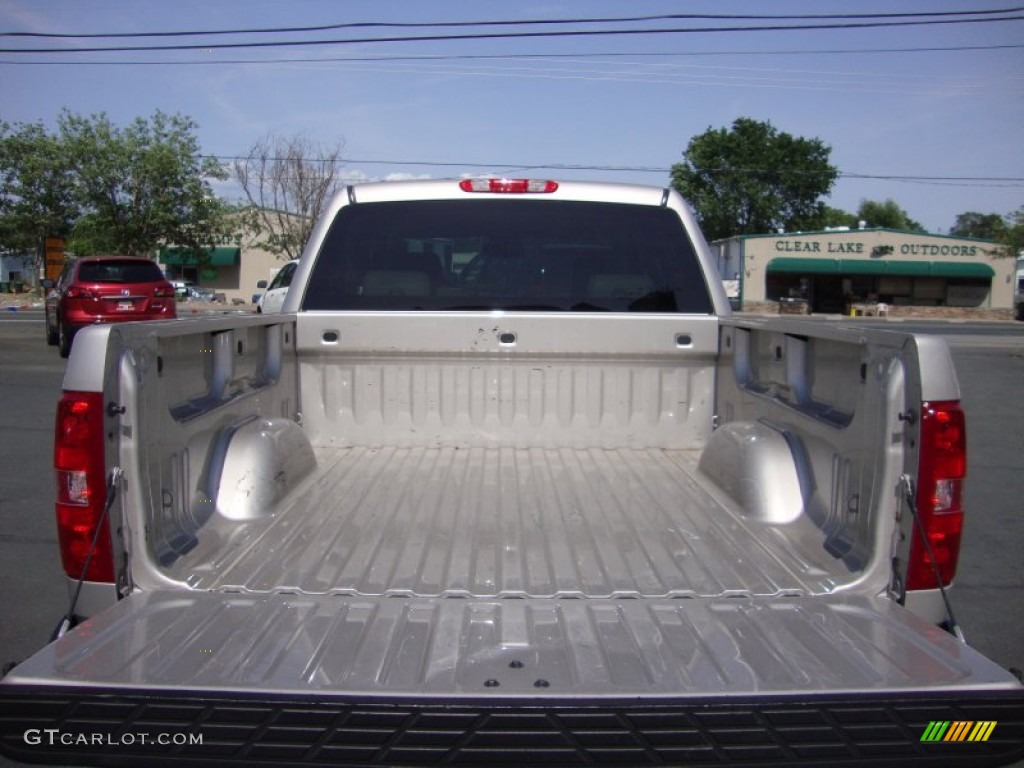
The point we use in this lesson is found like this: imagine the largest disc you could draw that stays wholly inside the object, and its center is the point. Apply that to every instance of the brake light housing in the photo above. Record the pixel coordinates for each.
(77, 292)
(80, 467)
(942, 467)
(508, 186)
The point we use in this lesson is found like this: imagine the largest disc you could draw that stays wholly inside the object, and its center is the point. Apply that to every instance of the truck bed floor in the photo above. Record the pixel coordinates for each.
(505, 522)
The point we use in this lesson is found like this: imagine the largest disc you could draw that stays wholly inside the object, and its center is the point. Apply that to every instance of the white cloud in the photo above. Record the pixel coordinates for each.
(357, 176)
(406, 176)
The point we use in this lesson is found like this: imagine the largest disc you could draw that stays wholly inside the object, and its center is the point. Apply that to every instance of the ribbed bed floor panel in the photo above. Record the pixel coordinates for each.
(501, 522)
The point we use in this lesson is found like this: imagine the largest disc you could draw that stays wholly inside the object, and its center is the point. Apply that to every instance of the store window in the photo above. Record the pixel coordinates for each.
(965, 292)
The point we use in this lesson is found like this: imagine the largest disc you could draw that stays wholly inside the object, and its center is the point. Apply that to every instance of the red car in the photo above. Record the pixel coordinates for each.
(106, 289)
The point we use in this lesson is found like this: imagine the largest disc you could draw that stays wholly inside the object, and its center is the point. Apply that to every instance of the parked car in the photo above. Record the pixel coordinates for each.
(105, 289)
(185, 291)
(195, 293)
(273, 298)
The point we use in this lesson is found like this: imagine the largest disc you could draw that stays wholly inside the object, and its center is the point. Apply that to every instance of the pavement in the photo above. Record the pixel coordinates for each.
(14, 302)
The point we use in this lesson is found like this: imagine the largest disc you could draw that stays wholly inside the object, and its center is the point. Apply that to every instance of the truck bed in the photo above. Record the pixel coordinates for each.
(504, 551)
(507, 522)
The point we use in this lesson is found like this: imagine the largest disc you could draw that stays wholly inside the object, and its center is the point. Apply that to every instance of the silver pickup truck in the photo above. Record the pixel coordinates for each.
(505, 482)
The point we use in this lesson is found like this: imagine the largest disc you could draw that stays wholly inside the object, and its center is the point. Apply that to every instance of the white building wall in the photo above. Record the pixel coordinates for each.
(17, 268)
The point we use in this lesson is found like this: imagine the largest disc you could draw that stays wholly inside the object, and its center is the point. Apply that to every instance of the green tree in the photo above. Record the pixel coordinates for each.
(984, 226)
(752, 178)
(141, 186)
(36, 188)
(1007, 230)
(886, 215)
(836, 217)
(1012, 235)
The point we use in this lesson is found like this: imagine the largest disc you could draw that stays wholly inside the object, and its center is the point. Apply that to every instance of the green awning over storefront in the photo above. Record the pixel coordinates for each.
(188, 257)
(856, 267)
(881, 267)
(805, 266)
(961, 269)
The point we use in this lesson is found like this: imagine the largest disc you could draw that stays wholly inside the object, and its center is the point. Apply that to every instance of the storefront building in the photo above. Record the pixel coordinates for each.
(16, 272)
(834, 271)
(216, 265)
(232, 271)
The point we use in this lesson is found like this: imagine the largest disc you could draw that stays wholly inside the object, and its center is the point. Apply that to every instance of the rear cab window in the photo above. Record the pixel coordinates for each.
(119, 271)
(516, 255)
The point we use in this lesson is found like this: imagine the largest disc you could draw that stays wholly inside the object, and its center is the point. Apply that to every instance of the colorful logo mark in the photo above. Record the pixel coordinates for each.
(958, 730)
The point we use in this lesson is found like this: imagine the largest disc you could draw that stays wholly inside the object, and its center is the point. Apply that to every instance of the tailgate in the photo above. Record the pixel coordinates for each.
(173, 677)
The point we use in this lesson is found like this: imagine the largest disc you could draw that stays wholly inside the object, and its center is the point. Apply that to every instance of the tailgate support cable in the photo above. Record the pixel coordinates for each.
(67, 623)
(908, 489)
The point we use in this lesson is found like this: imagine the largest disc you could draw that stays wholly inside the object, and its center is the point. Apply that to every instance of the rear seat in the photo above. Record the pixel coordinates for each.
(619, 286)
(395, 282)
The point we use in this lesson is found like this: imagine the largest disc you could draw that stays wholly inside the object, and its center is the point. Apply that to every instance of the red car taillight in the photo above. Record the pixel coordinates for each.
(164, 292)
(75, 292)
(941, 469)
(513, 186)
(81, 486)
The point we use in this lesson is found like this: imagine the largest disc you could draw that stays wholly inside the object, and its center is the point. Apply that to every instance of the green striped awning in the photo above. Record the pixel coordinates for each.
(881, 267)
(858, 267)
(962, 269)
(218, 257)
(804, 266)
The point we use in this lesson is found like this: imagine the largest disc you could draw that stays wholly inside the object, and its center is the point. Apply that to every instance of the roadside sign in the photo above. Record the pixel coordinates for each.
(54, 247)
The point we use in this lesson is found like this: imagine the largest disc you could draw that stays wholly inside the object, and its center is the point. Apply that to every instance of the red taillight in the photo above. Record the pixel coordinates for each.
(514, 186)
(81, 486)
(941, 469)
(164, 292)
(75, 292)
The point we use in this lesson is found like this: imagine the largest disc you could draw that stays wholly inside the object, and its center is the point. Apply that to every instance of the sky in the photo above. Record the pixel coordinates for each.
(929, 115)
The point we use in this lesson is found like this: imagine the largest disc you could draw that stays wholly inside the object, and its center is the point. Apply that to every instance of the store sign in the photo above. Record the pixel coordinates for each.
(905, 249)
(815, 246)
(938, 250)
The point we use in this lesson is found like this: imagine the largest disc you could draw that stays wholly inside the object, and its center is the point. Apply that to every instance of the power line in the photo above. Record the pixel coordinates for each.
(560, 67)
(525, 168)
(514, 35)
(696, 75)
(385, 58)
(822, 84)
(520, 22)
